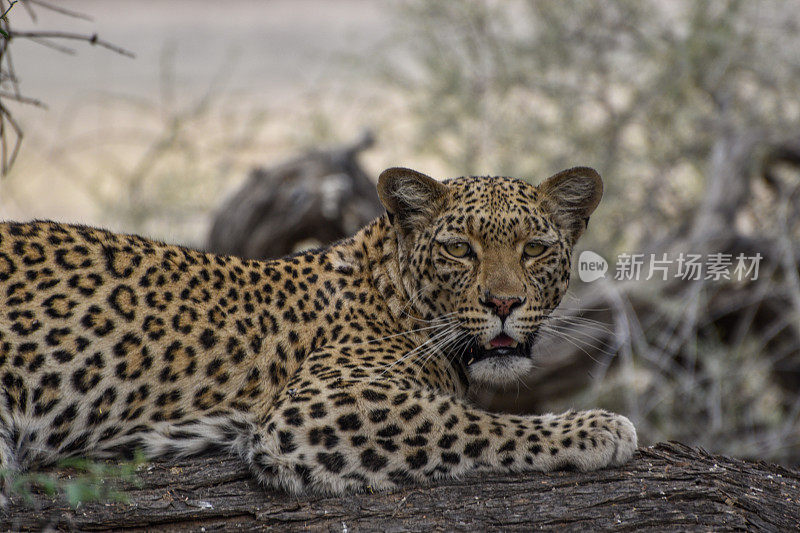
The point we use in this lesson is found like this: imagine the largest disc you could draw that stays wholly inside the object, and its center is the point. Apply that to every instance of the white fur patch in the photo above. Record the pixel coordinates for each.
(500, 370)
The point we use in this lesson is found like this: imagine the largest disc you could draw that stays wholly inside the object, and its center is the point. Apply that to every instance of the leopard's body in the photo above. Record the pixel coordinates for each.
(330, 370)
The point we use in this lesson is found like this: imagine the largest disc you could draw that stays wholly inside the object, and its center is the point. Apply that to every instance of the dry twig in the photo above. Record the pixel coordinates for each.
(11, 133)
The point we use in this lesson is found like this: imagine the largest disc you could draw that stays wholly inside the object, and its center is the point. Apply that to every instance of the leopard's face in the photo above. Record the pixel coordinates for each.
(498, 265)
(489, 259)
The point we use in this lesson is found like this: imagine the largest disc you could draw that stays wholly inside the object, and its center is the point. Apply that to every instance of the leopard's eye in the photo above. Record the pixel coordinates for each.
(534, 249)
(458, 249)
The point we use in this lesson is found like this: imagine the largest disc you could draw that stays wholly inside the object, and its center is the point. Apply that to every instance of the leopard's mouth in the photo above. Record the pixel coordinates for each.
(500, 346)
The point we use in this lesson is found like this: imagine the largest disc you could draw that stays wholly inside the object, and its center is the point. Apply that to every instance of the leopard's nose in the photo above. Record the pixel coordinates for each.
(502, 305)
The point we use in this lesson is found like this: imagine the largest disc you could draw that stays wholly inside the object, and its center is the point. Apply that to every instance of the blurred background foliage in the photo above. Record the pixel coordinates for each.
(640, 90)
(689, 110)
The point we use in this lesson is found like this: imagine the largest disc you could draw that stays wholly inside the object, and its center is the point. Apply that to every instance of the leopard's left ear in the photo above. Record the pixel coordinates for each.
(411, 198)
(571, 196)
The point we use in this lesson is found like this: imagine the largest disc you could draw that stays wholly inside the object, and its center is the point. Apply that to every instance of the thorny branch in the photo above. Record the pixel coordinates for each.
(11, 133)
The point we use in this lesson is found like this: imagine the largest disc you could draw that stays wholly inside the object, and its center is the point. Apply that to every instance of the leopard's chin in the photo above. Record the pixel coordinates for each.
(499, 370)
(498, 366)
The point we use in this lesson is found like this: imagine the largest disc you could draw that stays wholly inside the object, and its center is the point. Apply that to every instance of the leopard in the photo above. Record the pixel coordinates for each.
(342, 369)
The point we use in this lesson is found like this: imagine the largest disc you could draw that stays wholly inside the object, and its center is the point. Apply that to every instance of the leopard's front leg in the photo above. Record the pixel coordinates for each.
(330, 432)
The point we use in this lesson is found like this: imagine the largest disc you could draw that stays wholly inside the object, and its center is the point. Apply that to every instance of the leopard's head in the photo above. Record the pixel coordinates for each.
(485, 260)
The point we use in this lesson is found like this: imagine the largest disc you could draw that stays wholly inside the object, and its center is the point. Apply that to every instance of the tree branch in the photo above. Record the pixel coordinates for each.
(91, 39)
(8, 78)
(58, 9)
(669, 487)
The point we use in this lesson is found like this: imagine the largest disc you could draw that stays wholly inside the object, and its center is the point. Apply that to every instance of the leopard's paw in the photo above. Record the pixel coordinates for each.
(603, 439)
(623, 436)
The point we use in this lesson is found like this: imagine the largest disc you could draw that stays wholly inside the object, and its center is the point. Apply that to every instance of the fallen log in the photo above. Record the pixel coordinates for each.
(667, 487)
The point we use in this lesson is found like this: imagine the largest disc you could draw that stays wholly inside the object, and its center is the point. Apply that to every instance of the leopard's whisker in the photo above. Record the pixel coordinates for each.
(438, 348)
(439, 341)
(578, 335)
(461, 349)
(439, 318)
(582, 321)
(402, 333)
(577, 344)
(433, 338)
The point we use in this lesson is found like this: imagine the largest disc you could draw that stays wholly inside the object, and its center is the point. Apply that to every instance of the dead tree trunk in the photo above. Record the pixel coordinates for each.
(315, 199)
(667, 487)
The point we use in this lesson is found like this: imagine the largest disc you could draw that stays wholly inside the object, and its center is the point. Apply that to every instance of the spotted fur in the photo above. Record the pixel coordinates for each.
(331, 370)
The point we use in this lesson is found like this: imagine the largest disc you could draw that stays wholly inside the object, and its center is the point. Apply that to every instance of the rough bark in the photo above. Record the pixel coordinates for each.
(667, 487)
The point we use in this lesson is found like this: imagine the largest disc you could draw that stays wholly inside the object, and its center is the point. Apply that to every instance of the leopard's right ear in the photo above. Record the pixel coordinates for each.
(571, 196)
(411, 198)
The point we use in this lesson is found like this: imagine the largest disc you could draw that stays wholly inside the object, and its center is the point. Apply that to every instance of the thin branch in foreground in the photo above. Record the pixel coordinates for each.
(7, 161)
(59, 9)
(91, 39)
(3, 16)
(23, 99)
(8, 77)
(53, 46)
